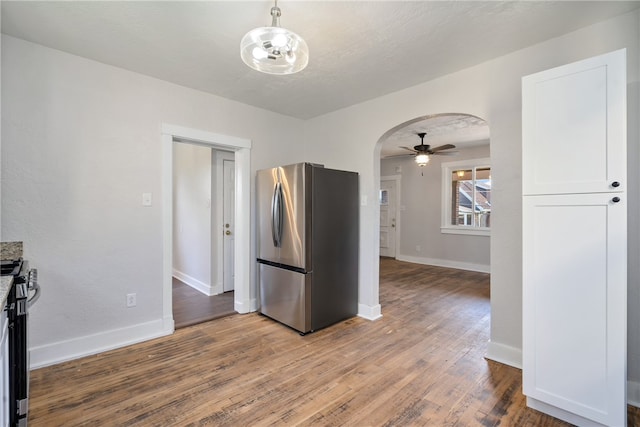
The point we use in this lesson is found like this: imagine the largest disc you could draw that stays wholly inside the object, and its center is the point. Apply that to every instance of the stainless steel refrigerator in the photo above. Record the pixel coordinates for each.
(308, 219)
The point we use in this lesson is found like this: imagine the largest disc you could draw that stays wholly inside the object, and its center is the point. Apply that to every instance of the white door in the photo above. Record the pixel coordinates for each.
(575, 240)
(228, 215)
(388, 212)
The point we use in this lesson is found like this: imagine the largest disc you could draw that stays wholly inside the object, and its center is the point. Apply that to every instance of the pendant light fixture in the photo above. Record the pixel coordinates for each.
(274, 50)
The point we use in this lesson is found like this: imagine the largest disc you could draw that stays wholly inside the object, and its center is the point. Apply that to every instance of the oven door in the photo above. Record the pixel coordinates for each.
(18, 354)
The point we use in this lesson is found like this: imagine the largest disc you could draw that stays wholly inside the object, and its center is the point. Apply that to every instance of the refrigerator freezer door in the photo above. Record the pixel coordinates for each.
(282, 222)
(285, 296)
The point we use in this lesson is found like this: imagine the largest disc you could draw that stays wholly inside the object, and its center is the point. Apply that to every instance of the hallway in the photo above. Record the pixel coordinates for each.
(191, 306)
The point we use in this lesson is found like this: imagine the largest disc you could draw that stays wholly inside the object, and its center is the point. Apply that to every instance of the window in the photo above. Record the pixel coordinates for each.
(466, 200)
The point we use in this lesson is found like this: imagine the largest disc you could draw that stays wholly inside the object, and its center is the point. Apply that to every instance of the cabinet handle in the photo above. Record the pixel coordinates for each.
(615, 199)
(615, 184)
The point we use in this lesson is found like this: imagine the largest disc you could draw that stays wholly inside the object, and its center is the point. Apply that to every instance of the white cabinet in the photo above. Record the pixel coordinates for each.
(574, 127)
(574, 241)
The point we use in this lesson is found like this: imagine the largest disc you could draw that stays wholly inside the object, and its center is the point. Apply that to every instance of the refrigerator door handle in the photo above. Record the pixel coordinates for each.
(276, 215)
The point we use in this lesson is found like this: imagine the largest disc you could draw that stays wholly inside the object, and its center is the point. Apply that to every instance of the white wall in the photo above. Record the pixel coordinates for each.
(192, 211)
(420, 221)
(349, 139)
(81, 142)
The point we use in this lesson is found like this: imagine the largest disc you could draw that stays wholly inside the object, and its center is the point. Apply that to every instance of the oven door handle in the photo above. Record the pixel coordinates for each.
(32, 300)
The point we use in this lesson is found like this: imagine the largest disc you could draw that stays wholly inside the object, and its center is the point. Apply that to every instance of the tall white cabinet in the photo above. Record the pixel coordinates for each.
(574, 241)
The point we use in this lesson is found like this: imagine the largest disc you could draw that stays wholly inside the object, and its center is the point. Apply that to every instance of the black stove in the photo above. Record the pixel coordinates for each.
(23, 294)
(10, 267)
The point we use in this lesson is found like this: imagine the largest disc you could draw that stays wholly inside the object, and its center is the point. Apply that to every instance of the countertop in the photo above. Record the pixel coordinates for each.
(10, 250)
(5, 287)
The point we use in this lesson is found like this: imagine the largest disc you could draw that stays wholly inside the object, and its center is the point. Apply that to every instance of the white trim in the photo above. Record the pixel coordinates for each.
(242, 254)
(370, 313)
(196, 284)
(184, 134)
(75, 348)
(561, 414)
(469, 231)
(480, 268)
(241, 148)
(505, 354)
(445, 204)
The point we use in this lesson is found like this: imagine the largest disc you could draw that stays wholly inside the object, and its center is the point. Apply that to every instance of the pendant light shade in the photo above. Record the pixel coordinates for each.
(274, 50)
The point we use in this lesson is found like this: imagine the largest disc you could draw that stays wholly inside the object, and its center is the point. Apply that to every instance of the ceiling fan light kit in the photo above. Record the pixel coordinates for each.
(274, 50)
(423, 151)
(422, 159)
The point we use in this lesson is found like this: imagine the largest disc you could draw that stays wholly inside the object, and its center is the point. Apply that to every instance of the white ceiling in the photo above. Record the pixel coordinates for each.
(359, 50)
(461, 130)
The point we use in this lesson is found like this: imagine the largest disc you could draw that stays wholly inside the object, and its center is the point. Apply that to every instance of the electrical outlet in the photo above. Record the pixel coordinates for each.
(131, 300)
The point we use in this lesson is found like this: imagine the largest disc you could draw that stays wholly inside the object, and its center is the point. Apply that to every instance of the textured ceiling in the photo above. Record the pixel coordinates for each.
(359, 49)
(461, 130)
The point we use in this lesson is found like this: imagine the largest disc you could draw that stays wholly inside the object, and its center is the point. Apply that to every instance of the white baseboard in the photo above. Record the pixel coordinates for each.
(501, 353)
(633, 393)
(370, 312)
(196, 284)
(561, 414)
(75, 348)
(481, 268)
(244, 307)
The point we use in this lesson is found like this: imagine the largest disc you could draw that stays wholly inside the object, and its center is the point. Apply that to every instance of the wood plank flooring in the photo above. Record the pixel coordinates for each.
(191, 306)
(421, 364)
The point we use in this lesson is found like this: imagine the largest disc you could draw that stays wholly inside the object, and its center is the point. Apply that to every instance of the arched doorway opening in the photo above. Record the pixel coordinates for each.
(440, 212)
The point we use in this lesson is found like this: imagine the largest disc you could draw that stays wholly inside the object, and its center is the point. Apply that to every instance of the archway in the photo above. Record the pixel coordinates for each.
(429, 222)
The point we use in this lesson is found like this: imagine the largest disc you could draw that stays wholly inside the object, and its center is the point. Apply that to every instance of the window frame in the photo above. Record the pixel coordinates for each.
(447, 169)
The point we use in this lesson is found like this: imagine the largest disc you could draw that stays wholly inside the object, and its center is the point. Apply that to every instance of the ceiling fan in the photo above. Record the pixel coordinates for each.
(423, 151)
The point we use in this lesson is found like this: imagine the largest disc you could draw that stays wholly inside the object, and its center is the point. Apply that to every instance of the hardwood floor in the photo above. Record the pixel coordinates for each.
(421, 365)
(191, 306)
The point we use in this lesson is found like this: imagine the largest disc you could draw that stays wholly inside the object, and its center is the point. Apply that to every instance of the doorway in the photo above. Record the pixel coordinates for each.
(389, 220)
(228, 215)
(203, 199)
(242, 300)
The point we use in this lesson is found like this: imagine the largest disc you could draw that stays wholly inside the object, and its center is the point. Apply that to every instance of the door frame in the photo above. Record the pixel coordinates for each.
(241, 149)
(398, 180)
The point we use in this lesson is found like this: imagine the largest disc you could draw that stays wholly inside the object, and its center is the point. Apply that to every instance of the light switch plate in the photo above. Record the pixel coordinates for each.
(146, 199)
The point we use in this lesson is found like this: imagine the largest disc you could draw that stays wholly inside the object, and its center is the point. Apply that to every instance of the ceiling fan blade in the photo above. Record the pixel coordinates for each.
(410, 149)
(395, 156)
(445, 153)
(443, 147)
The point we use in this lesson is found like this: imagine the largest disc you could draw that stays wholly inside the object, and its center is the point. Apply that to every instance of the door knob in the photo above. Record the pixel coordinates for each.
(615, 184)
(615, 199)
(228, 232)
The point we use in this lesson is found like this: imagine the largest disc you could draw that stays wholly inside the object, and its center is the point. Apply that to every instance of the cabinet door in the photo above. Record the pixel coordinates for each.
(574, 127)
(574, 313)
